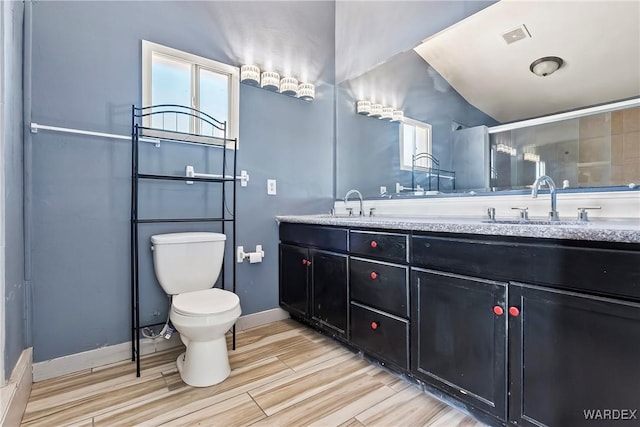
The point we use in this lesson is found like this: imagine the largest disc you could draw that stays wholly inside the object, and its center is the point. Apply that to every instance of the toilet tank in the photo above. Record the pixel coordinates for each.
(187, 262)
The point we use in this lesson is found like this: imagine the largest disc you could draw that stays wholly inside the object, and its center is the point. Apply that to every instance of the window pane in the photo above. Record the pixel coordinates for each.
(408, 143)
(170, 84)
(214, 100)
(422, 146)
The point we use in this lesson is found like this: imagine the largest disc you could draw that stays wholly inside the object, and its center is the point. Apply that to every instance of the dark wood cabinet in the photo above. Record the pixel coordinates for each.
(459, 341)
(527, 332)
(313, 283)
(571, 355)
(329, 290)
(379, 292)
(294, 278)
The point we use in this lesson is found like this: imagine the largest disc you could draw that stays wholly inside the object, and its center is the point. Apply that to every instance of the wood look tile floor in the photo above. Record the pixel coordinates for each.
(283, 374)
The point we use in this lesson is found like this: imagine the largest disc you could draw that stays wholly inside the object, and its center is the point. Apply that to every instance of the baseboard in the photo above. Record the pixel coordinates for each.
(99, 357)
(15, 394)
(261, 318)
(120, 352)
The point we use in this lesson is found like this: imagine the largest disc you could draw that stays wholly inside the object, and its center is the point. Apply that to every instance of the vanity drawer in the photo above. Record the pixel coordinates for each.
(313, 235)
(388, 246)
(572, 265)
(380, 285)
(477, 258)
(380, 334)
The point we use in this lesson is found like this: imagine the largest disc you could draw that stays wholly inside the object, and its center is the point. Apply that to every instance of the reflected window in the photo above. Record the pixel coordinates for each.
(170, 76)
(415, 139)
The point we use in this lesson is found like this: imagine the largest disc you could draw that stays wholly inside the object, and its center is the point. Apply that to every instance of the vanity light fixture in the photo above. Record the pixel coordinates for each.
(387, 113)
(270, 81)
(363, 107)
(379, 111)
(507, 149)
(376, 110)
(289, 86)
(397, 115)
(306, 91)
(546, 66)
(532, 157)
(250, 74)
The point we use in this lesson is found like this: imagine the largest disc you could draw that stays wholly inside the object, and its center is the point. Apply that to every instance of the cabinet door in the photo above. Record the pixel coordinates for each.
(573, 359)
(459, 342)
(294, 293)
(329, 289)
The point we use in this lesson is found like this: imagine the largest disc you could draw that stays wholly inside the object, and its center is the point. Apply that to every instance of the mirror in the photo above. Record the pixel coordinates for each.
(473, 76)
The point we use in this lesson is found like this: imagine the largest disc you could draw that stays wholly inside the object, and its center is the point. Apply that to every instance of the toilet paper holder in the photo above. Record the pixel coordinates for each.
(253, 257)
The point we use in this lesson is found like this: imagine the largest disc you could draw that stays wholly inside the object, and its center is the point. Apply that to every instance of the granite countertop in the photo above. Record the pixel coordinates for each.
(623, 230)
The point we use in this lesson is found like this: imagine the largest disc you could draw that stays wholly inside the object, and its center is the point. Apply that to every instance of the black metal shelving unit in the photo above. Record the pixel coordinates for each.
(142, 119)
(432, 171)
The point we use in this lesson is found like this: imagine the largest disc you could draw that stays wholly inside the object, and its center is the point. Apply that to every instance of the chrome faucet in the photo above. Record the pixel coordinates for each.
(553, 215)
(357, 193)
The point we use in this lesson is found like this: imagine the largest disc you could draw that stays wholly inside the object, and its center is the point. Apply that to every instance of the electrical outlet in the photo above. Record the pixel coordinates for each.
(383, 190)
(271, 187)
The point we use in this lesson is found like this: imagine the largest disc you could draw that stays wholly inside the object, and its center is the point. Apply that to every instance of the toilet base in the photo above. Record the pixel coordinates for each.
(204, 363)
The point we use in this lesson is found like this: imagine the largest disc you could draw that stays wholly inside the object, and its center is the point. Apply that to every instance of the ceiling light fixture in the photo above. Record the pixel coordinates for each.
(546, 66)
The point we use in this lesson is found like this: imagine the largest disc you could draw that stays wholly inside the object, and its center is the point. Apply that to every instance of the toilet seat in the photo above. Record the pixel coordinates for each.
(205, 303)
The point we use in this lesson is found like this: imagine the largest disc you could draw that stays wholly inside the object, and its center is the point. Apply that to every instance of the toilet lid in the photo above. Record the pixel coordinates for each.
(202, 303)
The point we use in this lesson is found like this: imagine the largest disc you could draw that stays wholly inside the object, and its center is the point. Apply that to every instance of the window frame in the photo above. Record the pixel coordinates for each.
(429, 149)
(197, 62)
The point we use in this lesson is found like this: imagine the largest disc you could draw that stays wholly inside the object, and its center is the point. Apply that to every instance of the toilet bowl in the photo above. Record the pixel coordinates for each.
(187, 266)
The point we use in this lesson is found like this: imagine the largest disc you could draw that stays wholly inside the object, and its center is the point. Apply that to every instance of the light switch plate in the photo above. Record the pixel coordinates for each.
(271, 187)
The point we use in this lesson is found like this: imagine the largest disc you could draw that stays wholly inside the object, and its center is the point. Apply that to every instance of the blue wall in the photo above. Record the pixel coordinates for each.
(367, 149)
(14, 321)
(85, 74)
(369, 33)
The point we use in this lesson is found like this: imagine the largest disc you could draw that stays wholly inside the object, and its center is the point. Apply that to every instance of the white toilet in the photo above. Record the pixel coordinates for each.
(187, 266)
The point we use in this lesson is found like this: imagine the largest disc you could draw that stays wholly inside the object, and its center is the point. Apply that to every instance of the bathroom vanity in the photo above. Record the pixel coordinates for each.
(521, 324)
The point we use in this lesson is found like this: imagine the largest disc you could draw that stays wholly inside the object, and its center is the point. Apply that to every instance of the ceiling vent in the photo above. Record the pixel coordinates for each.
(516, 34)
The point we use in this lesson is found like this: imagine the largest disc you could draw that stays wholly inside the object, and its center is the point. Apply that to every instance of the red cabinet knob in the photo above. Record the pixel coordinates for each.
(374, 275)
(514, 311)
(498, 310)
(374, 325)
(304, 262)
(308, 263)
(374, 244)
